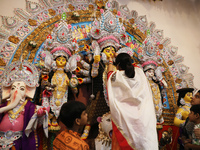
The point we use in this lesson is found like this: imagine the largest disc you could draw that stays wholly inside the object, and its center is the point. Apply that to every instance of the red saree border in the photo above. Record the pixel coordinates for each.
(121, 139)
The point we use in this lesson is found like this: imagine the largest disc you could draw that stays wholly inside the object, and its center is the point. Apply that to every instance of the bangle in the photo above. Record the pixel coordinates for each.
(96, 65)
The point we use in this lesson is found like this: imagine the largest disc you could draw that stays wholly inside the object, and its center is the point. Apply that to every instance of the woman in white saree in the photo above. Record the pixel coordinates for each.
(131, 106)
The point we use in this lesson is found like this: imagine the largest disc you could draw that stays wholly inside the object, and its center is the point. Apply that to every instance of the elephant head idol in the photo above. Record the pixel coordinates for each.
(19, 84)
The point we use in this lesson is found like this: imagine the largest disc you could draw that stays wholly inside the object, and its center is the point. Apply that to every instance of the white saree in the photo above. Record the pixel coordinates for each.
(132, 109)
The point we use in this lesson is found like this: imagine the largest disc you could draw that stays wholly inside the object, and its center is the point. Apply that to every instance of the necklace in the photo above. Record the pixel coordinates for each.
(61, 80)
(14, 115)
(187, 107)
(188, 104)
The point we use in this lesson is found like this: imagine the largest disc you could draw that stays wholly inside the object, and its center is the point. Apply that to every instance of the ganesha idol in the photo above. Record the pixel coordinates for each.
(19, 83)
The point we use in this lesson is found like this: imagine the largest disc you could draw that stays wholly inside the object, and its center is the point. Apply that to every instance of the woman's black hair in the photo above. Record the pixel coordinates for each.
(70, 111)
(123, 60)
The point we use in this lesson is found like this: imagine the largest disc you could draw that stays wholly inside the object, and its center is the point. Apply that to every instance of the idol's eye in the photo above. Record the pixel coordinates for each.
(13, 87)
(108, 120)
(22, 88)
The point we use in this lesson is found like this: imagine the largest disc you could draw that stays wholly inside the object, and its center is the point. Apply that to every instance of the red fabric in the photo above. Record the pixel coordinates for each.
(108, 76)
(135, 65)
(115, 144)
(109, 73)
(120, 139)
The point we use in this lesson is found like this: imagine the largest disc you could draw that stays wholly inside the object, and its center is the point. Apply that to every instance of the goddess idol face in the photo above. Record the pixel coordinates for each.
(188, 97)
(61, 62)
(150, 73)
(109, 51)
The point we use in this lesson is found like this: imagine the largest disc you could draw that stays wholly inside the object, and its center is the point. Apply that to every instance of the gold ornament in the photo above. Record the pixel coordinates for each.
(170, 62)
(57, 103)
(52, 12)
(60, 79)
(15, 115)
(157, 108)
(32, 22)
(13, 39)
(2, 63)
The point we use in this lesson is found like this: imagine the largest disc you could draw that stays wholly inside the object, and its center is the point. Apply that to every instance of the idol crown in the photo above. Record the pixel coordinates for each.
(108, 28)
(60, 41)
(21, 71)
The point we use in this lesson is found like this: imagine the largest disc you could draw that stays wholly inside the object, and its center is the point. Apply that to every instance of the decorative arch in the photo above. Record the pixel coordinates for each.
(38, 20)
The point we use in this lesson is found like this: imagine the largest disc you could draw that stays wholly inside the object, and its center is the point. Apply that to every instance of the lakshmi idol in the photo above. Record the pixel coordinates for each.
(59, 49)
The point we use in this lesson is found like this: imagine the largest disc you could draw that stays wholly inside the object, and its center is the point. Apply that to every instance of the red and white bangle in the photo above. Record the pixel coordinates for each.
(110, 62)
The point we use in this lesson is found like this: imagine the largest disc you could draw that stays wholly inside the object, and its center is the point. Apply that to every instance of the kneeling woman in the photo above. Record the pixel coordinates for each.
(131, 106)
